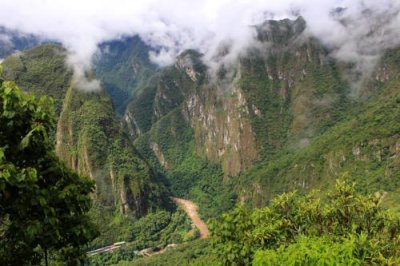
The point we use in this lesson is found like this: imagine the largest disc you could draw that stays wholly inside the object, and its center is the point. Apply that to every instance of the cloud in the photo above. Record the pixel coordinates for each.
(5, 39)
(358, 33)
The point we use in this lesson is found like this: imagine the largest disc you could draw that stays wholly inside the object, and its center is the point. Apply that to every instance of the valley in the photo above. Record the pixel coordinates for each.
(285, 151)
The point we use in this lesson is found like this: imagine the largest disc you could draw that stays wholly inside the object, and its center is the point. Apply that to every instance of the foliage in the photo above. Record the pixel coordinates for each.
(124, 67)
(112, 258)
(159, 229)
(43, 205)
(197, 253)
(188, 174)
(92, 142)
(347, 221)
(155, 231)
(310, 251)
(361, 146)
(41, 70)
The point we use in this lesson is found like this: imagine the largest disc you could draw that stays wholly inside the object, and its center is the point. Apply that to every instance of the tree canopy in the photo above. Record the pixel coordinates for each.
(43, 205)
(345, 228)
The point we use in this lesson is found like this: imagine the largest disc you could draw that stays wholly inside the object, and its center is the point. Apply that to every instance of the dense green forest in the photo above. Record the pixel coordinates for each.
(289, 160)
(344, 228)
(43, 205)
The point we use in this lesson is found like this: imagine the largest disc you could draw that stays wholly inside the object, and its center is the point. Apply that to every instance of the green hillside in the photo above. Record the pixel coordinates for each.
(287, 120)
(42, 70)
(123, 67)
(363, 147)
(286, 116)
(90, 139)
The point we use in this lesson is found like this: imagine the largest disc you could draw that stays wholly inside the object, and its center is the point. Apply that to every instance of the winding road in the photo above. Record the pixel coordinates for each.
(191, 210)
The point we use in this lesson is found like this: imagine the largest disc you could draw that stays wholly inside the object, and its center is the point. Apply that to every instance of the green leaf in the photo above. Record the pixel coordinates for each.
(26, 140)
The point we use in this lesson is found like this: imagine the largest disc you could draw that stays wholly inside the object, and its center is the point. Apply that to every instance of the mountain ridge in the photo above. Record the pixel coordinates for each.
(283, 117)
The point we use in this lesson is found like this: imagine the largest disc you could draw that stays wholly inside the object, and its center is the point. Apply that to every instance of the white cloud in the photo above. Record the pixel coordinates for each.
(5, 39)
(175, 25)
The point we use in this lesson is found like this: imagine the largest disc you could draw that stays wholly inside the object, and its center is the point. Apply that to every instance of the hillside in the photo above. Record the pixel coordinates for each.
(363, 147)
(89, 137)
(124, 68)
(278, 110)
(284, 116)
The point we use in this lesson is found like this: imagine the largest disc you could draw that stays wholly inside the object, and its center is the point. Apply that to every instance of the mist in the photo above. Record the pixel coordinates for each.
(356, 31)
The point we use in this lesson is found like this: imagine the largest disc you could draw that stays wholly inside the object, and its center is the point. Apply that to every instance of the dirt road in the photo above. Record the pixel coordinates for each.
(191, 210)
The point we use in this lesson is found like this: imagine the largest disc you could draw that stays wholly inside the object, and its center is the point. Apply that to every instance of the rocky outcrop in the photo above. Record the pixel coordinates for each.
(283, 91)
(222, 129)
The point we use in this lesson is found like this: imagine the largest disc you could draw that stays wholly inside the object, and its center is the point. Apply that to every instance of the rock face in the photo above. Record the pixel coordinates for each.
(219, 124)
(89, 137)
(285, 90)
(279, 98)
(276, 119)
(222, 128)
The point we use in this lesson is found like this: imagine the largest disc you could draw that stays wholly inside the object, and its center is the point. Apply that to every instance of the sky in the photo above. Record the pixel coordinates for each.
(358, 34)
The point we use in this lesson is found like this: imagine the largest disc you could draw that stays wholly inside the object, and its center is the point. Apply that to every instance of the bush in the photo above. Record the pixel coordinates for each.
(310, 251)
(292, 222)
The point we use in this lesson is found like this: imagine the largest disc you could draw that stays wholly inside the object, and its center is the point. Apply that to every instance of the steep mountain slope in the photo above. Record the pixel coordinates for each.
(283, 117)
(284, 96)
(285, 90)
(124, 67)
(41, 70)
(89, 138)
(90, 141)
(187, 121)
(364, 147)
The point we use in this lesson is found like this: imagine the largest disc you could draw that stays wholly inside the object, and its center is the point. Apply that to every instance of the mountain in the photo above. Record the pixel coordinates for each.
(363, 146)
(89, 137)
(124, 68)
(283, 94)
(285, 116)
(236, 120)
(12, 41)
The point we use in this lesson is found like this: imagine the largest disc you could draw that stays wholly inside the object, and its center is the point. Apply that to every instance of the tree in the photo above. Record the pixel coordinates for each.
(43, 205)
(345, 228)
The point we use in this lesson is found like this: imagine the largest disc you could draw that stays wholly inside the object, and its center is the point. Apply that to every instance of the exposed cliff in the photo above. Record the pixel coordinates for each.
(286, 89)
(272, 118)
(219, 125)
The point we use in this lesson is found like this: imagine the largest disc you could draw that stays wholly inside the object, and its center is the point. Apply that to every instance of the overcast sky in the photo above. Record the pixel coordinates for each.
(176, 25)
